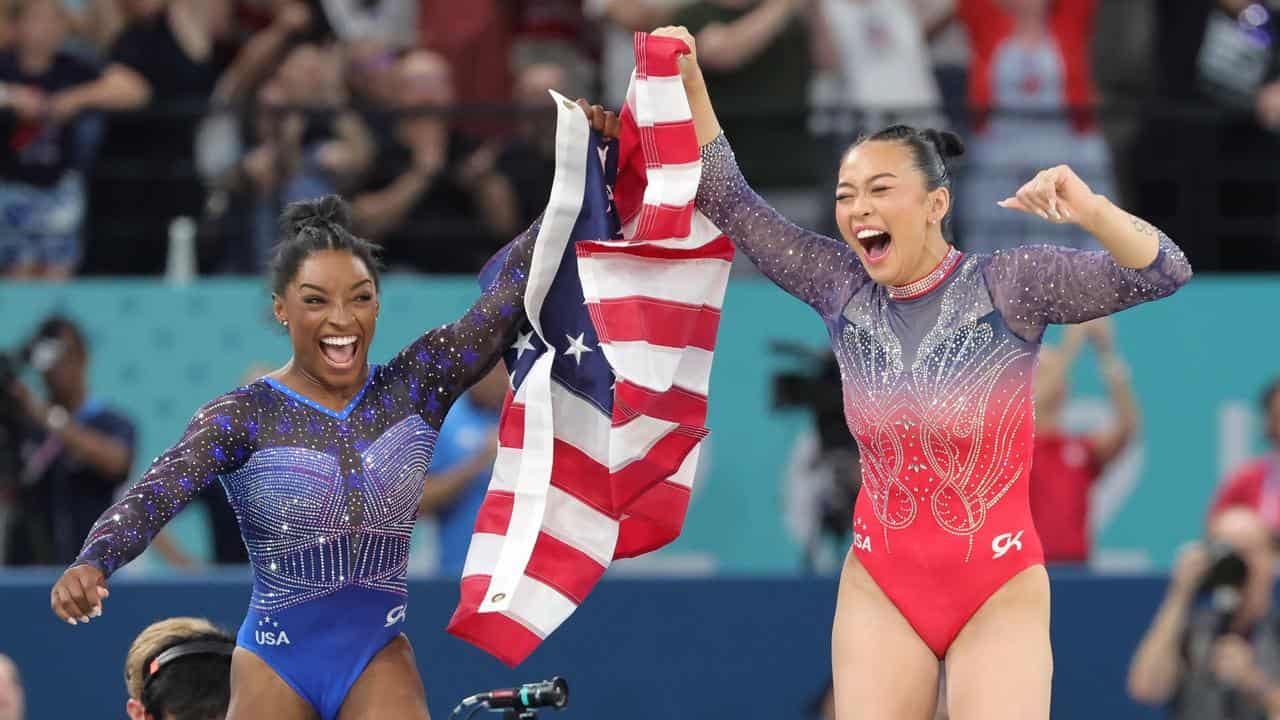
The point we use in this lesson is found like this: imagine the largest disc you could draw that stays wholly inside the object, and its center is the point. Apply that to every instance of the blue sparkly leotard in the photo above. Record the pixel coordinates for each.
(326, 500)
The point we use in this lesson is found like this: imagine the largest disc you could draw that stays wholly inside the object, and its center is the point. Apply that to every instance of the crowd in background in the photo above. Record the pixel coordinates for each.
(143, 133)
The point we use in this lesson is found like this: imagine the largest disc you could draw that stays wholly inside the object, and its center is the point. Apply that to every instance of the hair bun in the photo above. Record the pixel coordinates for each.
(949, 144)
(327, 211)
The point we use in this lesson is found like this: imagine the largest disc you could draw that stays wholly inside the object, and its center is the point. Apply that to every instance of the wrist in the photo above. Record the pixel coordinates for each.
(1095, 211)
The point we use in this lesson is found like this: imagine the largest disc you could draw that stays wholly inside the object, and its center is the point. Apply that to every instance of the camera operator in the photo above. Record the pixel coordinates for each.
(824, 470)
(73, 452)
(179, 669)
(1213, 649)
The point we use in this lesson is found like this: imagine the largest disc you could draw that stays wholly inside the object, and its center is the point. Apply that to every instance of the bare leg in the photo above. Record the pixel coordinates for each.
(389, 688)
(881, 668)
(1000, 665)
(258, 692)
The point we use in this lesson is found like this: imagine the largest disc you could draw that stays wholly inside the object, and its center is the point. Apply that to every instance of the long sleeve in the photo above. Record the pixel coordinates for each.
(1034, 286)
(821, 271)
(218, 440)
(444, 362)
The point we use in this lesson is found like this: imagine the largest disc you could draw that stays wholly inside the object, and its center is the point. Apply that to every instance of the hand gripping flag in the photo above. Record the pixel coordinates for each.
(598, 440)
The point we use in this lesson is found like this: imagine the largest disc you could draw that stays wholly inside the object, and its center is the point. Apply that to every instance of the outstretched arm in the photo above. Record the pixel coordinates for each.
(1037, 285)
(217, 441)
(821, 271)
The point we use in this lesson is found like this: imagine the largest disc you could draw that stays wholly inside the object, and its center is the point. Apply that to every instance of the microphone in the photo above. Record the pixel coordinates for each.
(553, 693)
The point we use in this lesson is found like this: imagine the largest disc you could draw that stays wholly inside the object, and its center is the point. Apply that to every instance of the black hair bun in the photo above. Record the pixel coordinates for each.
(327, 211)
(949, 144)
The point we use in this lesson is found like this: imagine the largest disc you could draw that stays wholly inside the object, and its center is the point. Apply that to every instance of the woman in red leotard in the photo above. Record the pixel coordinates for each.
(936, 350)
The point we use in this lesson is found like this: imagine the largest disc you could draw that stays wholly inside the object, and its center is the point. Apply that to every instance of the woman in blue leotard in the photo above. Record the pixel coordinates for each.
(323, 461)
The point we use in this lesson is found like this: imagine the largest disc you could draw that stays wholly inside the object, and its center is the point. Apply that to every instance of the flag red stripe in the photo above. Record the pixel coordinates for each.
(676, 405)
(563, 567)
(660, 222)
(657, 321)
(672, 146)
(511, 426)
(655, 520)
(494, 515)
(574, 472)
(659, 463)
(719, 249)
(495, 633)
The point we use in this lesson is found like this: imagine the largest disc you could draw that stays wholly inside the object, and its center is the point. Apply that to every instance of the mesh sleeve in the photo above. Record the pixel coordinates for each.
(218, 440)
(821, 271)
(446, 361)
(1034, 286)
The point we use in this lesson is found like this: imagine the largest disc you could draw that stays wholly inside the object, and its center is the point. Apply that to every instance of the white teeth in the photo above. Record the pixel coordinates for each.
(339, 341)
(864, 234)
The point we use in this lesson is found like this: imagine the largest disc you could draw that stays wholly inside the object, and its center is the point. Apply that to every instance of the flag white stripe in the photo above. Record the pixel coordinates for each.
(660, 368)
(688, 471)
(633, 440)
(581, 526)
(660, 100)
(689, 282)
(672, 185)
(538, 606)
(482, 555)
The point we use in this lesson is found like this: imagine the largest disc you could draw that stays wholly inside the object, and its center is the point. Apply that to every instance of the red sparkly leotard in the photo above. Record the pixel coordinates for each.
(937, 390)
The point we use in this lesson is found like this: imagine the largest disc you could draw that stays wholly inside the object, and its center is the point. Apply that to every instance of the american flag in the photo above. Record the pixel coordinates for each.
(599, 437)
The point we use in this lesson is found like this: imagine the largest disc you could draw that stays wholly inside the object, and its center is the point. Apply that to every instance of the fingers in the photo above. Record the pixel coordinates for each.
(78, 596)
(601, 120)
(1040, 197)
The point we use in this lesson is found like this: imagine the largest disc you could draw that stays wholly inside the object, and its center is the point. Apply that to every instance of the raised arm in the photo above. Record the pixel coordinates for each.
(1037, 285)
(451, 358)
(821, 271)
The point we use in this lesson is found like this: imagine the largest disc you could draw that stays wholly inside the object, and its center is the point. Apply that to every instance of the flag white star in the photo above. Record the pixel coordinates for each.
(577, 347)
(523, 343)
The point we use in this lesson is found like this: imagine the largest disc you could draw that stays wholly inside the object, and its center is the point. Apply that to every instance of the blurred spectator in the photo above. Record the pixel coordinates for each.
(41, 186)
(77, 451)
(619, 20)
(1207, 160)
(459, 477)
(538, 23)
(524, 167)
(1031, 87)
(949, 48)
(179, 669)
(883, 72)
(308, 143)
(755, 55)
(1065, 467)
(391, 21)
(12, 700)
(423, 202)
(879, 74)
(169, 64)
(475, 37)
(1213, 649)
(100, 22)
(1255, 486)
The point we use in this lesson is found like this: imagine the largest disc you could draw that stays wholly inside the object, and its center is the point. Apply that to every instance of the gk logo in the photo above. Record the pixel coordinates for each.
(1004, 543)
(395, 615)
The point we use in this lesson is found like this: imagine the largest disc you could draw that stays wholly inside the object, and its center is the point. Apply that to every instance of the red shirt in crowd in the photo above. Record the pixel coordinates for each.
(1063, 469)
(1254, 485)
